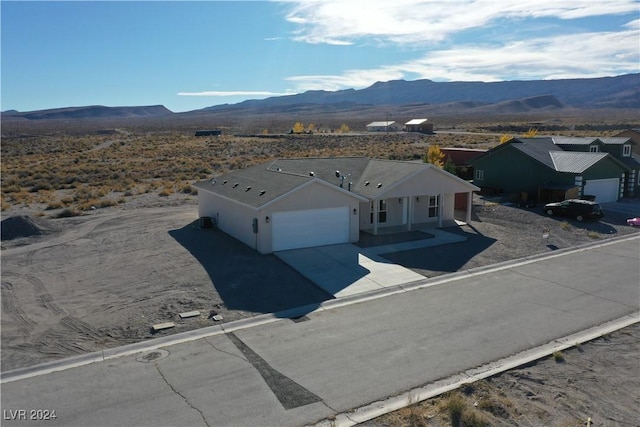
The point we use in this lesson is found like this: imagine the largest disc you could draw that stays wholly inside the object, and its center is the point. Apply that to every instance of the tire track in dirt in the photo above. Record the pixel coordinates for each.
(42, 297)
(11, 307)
(70, 336)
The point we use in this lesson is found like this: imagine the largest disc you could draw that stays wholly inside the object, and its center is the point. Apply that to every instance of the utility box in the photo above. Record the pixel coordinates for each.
(206, 222)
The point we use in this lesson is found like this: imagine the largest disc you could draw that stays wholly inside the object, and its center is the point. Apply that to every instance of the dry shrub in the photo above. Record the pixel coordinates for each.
(166, 191)
(69, 213)
(56, 204)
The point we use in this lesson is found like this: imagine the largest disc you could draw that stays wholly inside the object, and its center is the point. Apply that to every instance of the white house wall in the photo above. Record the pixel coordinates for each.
(448, 206)
(233, 218)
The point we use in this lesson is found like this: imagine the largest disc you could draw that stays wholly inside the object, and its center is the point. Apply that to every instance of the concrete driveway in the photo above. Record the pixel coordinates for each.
(346, 269)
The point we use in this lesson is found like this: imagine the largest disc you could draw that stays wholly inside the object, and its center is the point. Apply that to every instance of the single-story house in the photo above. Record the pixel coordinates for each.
(305, 202)
(540, 169)
(419, 125)
(386, 126)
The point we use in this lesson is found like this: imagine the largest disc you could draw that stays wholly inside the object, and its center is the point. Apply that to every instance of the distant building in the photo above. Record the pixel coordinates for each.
(209, 132)
(419, 125)
(383, 127)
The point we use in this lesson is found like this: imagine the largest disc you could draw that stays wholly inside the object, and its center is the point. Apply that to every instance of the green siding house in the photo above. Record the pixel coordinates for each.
(541, 169)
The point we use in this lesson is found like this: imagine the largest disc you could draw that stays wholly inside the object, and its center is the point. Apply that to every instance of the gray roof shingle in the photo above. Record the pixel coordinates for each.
(260, 184)
(254, 186)
(537, 148)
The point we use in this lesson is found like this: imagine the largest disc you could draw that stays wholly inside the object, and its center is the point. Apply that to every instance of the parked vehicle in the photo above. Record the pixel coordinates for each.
(574, 208)
(634, 222)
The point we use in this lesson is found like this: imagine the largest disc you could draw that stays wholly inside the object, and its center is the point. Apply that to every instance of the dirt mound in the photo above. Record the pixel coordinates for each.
(24, 226)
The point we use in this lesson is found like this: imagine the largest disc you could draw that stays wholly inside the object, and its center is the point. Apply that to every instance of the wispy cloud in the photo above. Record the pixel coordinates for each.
(233, 93)
(564, 56)
(428, 28)
(426, 21)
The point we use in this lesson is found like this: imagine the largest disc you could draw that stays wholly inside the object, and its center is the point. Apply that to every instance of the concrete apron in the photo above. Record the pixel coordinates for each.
(344, 270)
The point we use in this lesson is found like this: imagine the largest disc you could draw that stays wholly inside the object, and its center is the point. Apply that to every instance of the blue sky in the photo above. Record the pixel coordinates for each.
(190, 55)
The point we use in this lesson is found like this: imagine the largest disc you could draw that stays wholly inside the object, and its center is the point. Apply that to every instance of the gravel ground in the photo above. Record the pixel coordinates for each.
(499, 233)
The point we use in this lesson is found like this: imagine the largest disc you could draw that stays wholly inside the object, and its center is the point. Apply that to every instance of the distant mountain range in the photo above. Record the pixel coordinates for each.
(89, 112)
(424, 96)
(606, 92)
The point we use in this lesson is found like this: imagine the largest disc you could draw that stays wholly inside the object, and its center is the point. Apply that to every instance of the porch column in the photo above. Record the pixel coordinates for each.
(375, 217)
(440, 209)
(469, 206)
(409, 212)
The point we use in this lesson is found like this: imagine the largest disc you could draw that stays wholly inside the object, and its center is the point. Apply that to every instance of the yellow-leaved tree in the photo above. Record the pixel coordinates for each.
(310, 128)
(504, 138)
(298, 128)
(531, 133)
(344, 128)
(434, 156)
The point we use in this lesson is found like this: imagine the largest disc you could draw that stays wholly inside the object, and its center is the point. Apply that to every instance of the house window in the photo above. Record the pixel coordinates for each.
(593, 148)
(433, 206)
(382, 211)
(479, 174)
(626, 150)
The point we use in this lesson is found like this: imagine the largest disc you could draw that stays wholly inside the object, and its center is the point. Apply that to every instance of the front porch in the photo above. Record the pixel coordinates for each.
(399, 239)
(418, 230)
(381, 216)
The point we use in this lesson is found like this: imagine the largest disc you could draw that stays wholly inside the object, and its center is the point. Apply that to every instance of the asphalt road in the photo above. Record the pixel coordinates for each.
(297, 372)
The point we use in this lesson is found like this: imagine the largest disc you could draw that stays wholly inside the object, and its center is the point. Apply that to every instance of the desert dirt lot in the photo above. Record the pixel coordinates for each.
(103, 279)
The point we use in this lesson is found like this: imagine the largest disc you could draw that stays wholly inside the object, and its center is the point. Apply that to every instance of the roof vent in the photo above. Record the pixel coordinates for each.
(312, 174)
(366, 183)
(262, 192)
(213, 181)
(235, 185)
(279, 169)
(224, 182)
(248, 188)
(379, 185)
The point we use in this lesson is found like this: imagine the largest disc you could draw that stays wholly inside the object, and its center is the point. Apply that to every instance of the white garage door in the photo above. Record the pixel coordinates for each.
(605, 190)
(304, 229)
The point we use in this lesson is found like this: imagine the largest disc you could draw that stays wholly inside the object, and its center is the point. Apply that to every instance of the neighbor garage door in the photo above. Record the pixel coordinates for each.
(316, 227)
(605, 190)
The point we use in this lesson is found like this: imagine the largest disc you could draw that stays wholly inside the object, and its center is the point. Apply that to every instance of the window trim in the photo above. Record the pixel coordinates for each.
(479, 175)
(594, 149)
(626, 150)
